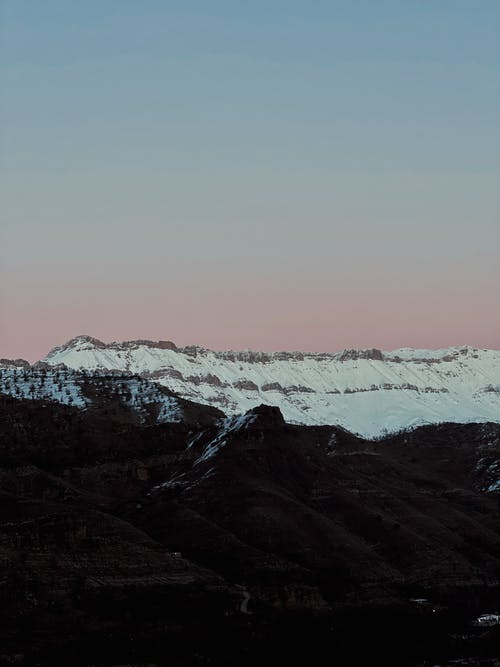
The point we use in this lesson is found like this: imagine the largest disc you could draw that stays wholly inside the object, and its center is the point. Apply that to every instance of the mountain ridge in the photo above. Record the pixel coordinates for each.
(396, 354)
(368, 392)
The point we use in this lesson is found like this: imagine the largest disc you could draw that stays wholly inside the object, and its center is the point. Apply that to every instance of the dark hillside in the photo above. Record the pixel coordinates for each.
(212, 541)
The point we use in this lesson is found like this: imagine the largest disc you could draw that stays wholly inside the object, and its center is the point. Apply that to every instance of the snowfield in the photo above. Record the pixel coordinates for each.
(369, 392)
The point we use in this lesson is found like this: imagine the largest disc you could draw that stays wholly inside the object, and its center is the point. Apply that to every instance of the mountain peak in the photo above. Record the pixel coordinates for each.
(266, 416)
(82, 342)
(85, 342)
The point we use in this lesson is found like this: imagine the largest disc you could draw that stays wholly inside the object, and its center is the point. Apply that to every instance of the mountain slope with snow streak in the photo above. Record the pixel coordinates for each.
(365, 391)
(116, 392)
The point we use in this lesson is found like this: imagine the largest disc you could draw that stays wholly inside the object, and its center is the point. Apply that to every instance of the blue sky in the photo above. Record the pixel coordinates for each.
(306, 154)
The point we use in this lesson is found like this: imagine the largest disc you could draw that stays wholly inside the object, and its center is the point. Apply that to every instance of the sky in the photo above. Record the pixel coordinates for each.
(270, 174)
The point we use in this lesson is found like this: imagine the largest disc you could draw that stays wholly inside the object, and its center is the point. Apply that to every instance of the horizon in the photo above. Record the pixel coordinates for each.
(272, 176)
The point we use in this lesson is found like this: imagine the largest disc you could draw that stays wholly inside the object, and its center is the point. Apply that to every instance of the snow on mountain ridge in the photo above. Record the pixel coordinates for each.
(365, 391)
(85, 342)
(89, 342)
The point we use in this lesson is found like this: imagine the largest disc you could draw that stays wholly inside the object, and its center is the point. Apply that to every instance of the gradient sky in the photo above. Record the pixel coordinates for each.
(265, 174)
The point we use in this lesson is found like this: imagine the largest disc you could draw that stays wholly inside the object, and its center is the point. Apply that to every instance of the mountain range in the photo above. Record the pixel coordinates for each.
(160, 507)
(369, 392)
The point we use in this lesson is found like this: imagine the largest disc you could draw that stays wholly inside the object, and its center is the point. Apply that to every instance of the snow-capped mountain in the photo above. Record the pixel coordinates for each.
(365, 391)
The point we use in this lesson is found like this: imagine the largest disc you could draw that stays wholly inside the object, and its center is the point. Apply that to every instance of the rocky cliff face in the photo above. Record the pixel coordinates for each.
(369, 392)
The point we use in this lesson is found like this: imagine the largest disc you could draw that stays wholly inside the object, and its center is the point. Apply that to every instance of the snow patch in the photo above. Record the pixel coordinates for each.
(229, 426)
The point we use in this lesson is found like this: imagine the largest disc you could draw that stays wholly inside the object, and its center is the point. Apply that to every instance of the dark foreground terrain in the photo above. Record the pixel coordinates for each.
(210, 542)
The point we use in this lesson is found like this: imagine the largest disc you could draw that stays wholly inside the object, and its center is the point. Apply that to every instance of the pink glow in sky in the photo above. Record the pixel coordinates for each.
(251, 314)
